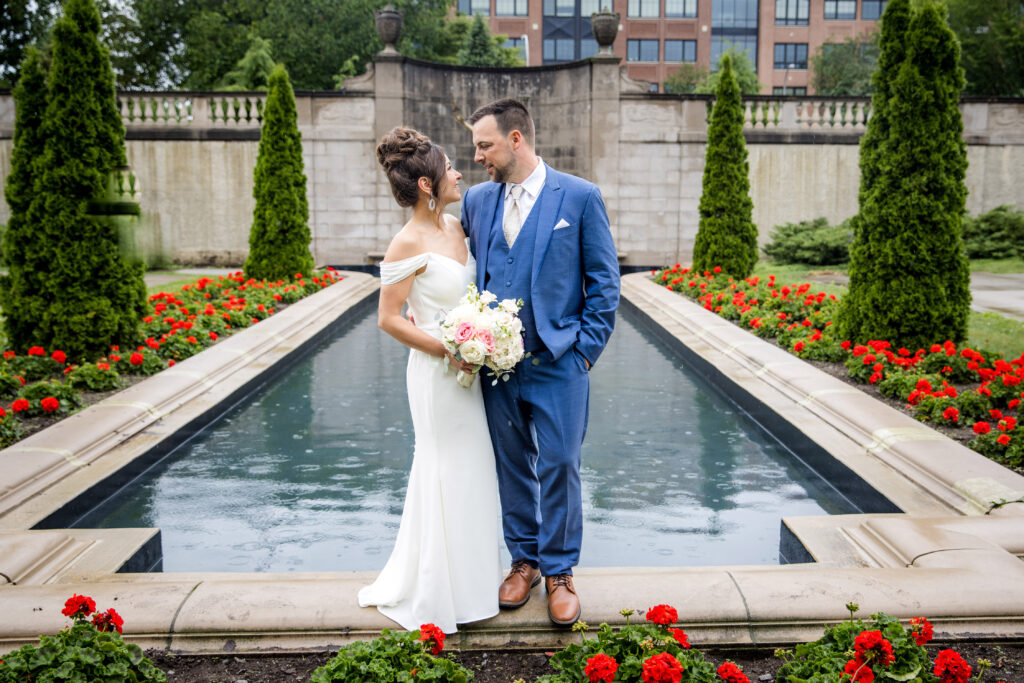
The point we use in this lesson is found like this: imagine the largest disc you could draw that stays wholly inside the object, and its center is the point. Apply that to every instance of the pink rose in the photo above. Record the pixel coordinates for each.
(486, 338)
(464, 332)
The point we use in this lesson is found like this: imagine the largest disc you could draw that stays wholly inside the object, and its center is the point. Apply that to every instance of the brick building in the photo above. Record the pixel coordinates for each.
(657, 36)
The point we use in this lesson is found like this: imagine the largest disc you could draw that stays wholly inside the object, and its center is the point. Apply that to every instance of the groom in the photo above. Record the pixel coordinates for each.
(541, 236)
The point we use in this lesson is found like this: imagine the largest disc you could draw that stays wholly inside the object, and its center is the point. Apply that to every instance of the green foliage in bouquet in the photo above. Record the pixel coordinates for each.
(624, 655)
(279, 237)
(909, 276)
(997, 234)
(882, 645)
(69, 285)
(395, 656)
(814, 242)
(86, 652)
(726, 236)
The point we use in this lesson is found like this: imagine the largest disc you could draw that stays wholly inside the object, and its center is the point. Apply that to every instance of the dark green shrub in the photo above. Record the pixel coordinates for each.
(997, 234)
(1005, 448)
(867, 237)
(81, 295)
(279, 237)
(141, 362)
(10, 385)
(915, 287)
(727, 236)
(94, 377)
(33, 366)
(898, 385)
(10, 432)
(812, 242)
(26, 265)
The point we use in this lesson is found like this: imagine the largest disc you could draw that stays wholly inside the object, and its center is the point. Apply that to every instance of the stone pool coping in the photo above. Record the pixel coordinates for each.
(944, 557)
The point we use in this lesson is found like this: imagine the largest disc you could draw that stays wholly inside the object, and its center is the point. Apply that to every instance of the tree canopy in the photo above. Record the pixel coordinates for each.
(991, 35)
(742, 70)
(845, 68)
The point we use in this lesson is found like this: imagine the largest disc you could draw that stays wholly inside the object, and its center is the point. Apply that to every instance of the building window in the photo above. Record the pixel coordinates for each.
(511, 8)
(472, 7)
(734, 14)
(642, 9)
(840, 9)
(790, 55)
(588, 7)
(680, 50)
(559, 49)
(654, 87)
(686, 9)
(588, 48)
(559, 8)
(641, 50)
(792, 12)
(783, 90)
(518, 44)
(872, 9)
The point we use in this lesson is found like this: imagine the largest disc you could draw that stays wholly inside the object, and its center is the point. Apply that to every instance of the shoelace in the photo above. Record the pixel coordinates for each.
(563, 580)
(520, 567)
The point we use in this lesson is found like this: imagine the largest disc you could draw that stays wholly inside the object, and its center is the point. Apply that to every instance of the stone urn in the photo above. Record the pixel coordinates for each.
(605, 26)
(389, 27)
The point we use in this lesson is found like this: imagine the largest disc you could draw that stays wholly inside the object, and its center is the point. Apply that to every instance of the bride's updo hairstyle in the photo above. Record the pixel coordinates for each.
(408, 155)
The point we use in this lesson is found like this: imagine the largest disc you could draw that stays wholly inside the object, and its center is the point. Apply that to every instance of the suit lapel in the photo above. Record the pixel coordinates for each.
(489, 203)
(547, 206)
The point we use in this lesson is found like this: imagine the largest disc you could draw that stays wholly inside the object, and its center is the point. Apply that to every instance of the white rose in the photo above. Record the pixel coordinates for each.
(487, 298)
(473, 351)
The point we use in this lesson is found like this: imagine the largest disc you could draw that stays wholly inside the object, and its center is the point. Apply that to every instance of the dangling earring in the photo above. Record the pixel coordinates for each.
(432, 204)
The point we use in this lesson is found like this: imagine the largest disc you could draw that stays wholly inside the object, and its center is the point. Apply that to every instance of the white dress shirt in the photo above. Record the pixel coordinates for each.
(531, 190)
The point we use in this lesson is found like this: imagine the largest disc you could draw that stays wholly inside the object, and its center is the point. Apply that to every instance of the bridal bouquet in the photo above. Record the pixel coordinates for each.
(484, 335)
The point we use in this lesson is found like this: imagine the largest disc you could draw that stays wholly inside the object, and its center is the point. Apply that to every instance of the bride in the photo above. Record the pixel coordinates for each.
(445, 566)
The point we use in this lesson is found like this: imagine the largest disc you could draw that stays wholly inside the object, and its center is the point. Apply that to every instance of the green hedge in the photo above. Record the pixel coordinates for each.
(996, 234)
(812, 242)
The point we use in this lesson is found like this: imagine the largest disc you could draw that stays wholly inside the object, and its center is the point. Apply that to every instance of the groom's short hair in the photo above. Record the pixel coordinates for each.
(510, 115)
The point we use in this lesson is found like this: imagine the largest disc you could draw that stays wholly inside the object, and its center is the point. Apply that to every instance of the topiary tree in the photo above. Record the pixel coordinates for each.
(917, 290)
(25, 259)
(86, 295)
(727, 236)
(279, 237)
(892, 53)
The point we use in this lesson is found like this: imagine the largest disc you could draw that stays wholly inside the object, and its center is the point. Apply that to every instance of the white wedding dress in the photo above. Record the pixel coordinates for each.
(445, 567)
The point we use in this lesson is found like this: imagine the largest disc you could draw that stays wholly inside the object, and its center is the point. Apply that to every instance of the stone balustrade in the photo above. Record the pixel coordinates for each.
(184, 109)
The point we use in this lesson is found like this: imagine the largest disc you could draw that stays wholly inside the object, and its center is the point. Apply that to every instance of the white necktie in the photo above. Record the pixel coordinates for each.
(513, 219)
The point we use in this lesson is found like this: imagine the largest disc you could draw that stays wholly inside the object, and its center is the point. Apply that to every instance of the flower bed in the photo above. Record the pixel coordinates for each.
(943, 385)
(41, 387)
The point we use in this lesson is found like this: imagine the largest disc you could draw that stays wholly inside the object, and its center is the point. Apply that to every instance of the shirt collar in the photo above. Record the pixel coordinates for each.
(534, 183)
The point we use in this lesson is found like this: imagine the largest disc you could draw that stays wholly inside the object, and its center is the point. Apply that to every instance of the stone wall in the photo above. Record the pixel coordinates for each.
(194, 155)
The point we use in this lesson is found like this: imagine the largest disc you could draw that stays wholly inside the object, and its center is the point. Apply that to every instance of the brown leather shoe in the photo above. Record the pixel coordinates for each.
(515, 589)
(563, 603)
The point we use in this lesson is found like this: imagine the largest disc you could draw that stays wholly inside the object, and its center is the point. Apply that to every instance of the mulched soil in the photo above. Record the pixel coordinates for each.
(496, 666)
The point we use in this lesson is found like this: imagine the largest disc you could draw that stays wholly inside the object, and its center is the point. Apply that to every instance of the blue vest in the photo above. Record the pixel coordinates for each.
(508, 270)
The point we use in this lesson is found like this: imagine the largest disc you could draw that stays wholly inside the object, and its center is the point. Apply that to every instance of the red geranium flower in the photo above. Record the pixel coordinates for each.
(1004, 439)
(730, 673)
(982, 427)
(680, 637)
(663, 615)
(78, 606)
(662, 668)
(49, 404)
(19, 405)
(103, 366)
(921, 630)
(432, 634)
(36, 351)
(858, 672)
(950, 667)
(951, 414)
(9, 355)
(59, 356)
(798, 347)
(872, 647)
(108, 621)
(213, 335)
(601, 668)
(136, 358)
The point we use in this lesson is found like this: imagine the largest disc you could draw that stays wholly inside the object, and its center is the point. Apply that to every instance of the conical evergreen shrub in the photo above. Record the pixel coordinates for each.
(25, 256)
(87, 296)
(892, 53)
(917, 289)
(279, 237)
(727, 236)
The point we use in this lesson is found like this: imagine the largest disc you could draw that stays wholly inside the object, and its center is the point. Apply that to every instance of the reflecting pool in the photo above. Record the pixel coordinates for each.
(309, 472)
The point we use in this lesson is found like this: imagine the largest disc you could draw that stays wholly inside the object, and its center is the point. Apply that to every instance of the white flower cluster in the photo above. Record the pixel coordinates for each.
(484, 335)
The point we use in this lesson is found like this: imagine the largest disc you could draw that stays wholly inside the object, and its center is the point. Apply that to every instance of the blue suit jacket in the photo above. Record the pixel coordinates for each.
(575, 275)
